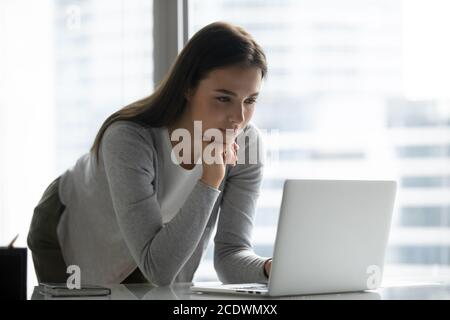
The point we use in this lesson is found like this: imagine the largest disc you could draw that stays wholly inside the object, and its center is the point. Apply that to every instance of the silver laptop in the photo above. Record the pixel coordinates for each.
(331, 237)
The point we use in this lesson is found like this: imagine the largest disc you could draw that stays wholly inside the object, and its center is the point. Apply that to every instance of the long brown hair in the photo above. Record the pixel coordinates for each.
(216, 45)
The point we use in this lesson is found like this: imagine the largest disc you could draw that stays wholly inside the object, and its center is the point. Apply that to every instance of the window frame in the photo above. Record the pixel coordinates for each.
(169, 35)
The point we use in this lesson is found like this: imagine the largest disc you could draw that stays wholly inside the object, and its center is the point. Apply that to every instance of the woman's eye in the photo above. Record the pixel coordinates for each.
(223, 99)
(226, 99)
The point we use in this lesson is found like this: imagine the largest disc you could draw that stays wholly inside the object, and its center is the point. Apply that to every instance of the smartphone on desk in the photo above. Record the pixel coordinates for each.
(61, 290)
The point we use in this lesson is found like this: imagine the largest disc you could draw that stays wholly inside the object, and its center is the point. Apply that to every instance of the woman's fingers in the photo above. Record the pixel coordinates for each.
(231, 154)
(235, 150)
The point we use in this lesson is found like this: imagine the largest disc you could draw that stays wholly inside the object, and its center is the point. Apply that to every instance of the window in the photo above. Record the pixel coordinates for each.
(103, 60)
(346, 95)
(65, 66)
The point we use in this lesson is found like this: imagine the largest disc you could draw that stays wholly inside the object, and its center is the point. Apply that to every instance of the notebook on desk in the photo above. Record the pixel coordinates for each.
(331, 237)
(61, 290)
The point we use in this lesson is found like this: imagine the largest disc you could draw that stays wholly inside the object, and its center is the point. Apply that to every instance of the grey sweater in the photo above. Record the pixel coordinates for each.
(112, 222)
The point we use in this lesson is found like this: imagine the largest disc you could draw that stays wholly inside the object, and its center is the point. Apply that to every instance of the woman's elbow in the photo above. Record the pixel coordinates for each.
(159, 280)
(223, 273)
(158, 277)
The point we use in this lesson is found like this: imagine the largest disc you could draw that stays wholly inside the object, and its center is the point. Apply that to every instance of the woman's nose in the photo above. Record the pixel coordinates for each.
(237, 116)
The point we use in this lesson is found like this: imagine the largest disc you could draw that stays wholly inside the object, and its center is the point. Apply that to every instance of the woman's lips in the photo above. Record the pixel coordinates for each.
(229, 131)
(229, 135)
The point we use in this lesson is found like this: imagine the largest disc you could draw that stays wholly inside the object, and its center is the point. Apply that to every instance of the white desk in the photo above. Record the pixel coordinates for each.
(182, 291)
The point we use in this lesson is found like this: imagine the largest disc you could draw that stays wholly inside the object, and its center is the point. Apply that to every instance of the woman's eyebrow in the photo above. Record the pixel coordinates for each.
(232, 93)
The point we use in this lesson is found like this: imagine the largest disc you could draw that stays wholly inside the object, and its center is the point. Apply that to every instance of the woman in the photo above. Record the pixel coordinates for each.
(131, 211)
